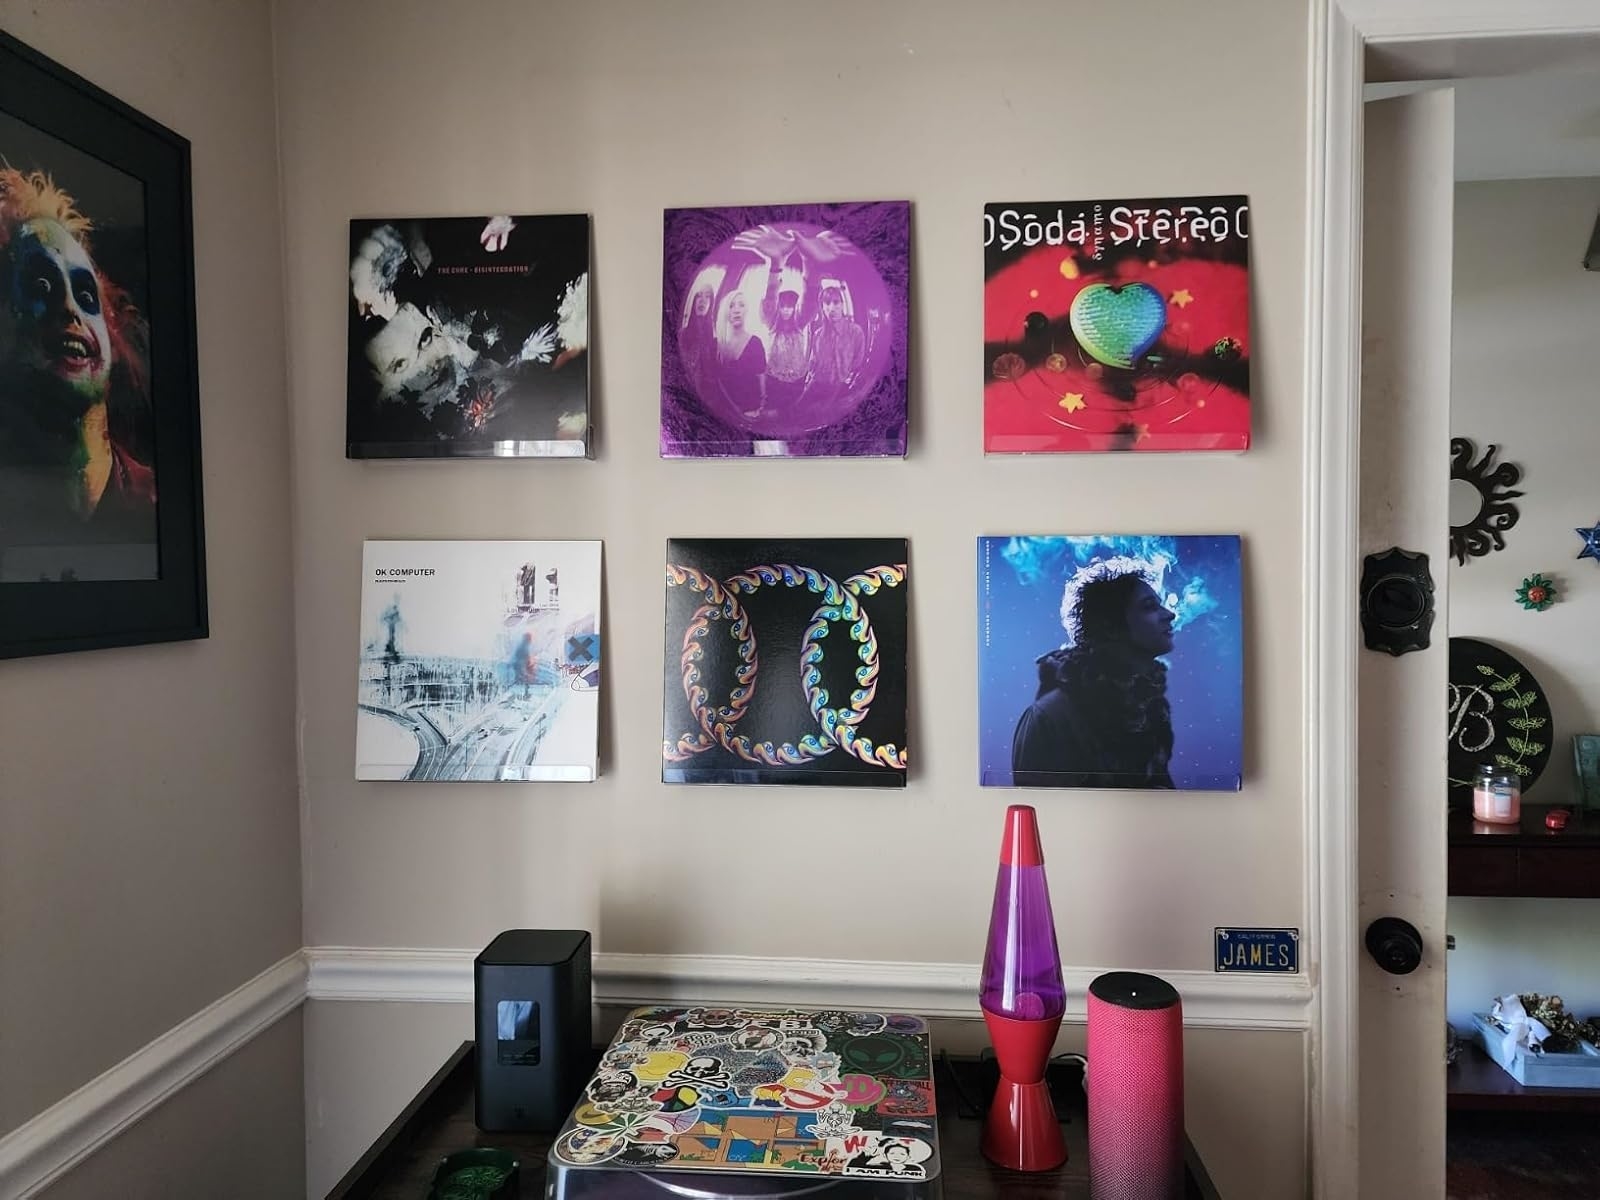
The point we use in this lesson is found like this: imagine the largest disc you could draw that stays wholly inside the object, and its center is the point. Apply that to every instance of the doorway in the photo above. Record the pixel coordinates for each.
(1523, 898)
(1378, 821)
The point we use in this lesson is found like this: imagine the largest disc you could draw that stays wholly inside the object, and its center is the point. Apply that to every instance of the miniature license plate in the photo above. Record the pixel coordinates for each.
(1265, 951)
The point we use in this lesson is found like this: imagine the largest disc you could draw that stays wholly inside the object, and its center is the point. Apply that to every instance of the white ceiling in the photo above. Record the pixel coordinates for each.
(1528, 126)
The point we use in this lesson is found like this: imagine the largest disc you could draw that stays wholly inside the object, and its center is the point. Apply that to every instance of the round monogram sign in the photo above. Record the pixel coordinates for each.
(1498, 715)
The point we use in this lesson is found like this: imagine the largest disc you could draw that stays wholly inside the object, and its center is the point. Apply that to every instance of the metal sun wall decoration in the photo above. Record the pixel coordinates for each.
(1482, 532)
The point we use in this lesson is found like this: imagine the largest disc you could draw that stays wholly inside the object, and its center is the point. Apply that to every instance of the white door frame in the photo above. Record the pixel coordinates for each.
(1341, 31)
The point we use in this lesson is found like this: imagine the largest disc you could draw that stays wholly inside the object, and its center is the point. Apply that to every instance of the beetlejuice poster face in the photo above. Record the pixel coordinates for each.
(786, 661)
(783, 330)
(1110, 662)
(479, 661)
(1116, 325)
(469, 337)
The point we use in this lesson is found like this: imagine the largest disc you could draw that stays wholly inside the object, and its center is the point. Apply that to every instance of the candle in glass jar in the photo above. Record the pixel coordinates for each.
(1497, 797)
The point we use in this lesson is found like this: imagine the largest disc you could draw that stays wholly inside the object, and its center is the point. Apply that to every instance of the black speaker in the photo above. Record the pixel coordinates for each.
(535, 1025)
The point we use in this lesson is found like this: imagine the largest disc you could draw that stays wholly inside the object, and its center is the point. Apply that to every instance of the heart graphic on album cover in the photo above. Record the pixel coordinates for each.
(1117, 325)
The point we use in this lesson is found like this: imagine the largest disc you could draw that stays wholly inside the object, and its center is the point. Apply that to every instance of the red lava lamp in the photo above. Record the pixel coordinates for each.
(1023, 999)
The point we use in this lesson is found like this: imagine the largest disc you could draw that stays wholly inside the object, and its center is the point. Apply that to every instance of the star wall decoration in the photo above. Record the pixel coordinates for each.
(1591, 542)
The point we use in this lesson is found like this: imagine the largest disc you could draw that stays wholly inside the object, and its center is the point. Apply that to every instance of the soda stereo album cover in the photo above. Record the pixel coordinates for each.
(479, 661)
(1116, 325)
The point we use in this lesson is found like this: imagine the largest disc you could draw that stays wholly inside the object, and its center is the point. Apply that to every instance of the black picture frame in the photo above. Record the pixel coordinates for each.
(54, 617)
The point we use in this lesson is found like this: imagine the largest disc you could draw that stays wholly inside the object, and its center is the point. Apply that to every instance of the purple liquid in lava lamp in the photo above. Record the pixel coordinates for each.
(1022, 966)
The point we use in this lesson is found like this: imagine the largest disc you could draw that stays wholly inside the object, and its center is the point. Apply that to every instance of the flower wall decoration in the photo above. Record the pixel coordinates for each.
(1536, 593)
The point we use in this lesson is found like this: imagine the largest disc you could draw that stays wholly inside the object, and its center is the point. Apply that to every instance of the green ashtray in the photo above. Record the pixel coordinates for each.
(477, 1175)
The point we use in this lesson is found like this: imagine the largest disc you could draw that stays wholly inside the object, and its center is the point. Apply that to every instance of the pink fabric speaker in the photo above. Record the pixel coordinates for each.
(1135, 1088)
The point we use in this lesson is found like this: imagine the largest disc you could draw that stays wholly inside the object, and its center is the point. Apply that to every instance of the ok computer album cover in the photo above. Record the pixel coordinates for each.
(1116, 325)
(1111, 661)
(480, 661)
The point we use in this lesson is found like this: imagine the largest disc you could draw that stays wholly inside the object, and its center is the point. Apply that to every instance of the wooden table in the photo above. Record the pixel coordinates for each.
(401, 1163)
(1527, 859)
(1475, 1082)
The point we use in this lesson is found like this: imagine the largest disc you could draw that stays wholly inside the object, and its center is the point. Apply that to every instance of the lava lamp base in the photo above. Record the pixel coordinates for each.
(1021, 1131)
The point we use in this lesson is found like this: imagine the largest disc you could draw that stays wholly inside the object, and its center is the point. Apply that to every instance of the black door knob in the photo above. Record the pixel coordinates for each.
(1395, 945)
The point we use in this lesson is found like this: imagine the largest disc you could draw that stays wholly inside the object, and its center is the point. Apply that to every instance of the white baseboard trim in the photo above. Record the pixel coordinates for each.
(1210, 1000)
(36, 1154)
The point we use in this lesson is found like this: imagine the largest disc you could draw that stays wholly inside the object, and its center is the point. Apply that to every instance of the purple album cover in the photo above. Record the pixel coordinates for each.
(783, 330)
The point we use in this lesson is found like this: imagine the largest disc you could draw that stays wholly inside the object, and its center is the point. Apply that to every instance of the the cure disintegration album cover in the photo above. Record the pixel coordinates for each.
(1116, 325)
(479, 661)
(783, 330)
(78, 471)
(1110, 661)
(469, 337)
(786, 661)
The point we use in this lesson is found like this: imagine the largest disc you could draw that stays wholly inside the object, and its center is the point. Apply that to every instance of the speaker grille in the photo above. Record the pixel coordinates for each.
(1135, 1090)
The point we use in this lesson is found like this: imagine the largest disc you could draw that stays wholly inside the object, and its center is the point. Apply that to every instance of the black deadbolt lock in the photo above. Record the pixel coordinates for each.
(1395, 945)
(1396, 601)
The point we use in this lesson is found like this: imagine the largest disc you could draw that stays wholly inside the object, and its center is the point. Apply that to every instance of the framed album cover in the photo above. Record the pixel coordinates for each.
(785, 661)
(480, 662)
(101, 533)
(1116, 325)
(1111, 661)
(783, 330)
(469, 337)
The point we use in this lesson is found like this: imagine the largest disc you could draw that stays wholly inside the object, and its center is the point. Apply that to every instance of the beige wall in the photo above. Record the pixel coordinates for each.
(1526, 315)
(236, 1132)
(623, 108)
(620, 108)
(149, 844)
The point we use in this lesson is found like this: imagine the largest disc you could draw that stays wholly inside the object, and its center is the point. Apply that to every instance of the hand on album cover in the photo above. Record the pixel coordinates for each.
(767, 242)
(825, 246)
(497, 233)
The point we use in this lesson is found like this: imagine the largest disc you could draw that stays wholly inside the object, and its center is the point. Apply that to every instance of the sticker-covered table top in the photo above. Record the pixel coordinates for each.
(760, 1092)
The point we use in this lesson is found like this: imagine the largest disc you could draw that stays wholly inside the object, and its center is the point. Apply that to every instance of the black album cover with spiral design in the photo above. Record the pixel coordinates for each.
(785, 661)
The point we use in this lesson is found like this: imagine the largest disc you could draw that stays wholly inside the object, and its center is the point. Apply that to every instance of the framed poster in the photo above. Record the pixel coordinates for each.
(468, 338)
(1111, 661)
(101, 534)
(1116, 325)
(480, 661)
(783, 330)
(785, 661)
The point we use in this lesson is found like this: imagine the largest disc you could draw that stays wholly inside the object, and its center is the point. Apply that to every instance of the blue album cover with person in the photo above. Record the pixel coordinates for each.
(1111, 661)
